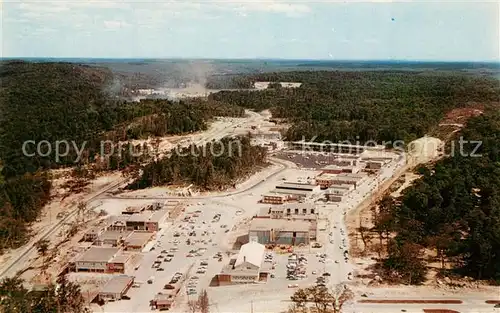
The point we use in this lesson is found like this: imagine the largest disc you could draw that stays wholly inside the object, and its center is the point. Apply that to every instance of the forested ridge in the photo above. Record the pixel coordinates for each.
(381, 106)
(213, 166)
(61, 101)
(453, 209)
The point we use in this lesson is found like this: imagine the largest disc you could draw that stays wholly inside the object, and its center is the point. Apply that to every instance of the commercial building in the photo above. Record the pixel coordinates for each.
(112, 238)
(328, 180)
(95, 259)
(116, 288)
(290, 211)
(102, 260)
(274, 198)
(148, 220)
(280, 231)
(120, 263)
(336, 193)
(293, 195)
(117, 222)
(246, 268)
(93, 233)
(294, 186)
(137, 240)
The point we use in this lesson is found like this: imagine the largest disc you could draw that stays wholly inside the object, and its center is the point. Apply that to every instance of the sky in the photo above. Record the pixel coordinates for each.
(316, 29)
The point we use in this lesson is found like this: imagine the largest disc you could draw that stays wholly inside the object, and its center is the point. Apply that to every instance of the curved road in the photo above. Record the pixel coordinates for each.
(17, 261)
(284, 166)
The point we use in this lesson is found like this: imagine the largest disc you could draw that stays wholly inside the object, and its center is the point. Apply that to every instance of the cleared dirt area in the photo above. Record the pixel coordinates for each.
(440, 311)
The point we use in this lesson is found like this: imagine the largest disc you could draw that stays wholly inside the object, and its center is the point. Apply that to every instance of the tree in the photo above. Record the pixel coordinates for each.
(203, 302)
(42, 246)
(193, 306)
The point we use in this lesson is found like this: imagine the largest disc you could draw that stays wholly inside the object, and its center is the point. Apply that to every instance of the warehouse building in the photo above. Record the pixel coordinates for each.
(137, 240)
(246, 268)
(116, 288)
(289, 211)
(293, 186)
(293, 195)
(280, 231)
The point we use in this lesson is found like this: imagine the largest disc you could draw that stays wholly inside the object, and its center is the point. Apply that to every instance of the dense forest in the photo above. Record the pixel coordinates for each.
(65, 297)
(453, 209)
(212, 166)
(380, 106)
(68, 102)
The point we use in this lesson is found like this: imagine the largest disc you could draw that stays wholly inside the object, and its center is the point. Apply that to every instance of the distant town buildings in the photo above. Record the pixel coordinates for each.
(265, 85)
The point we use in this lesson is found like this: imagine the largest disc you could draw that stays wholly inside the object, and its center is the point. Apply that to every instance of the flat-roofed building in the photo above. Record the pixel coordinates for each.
(329, 180)
(117, 222)
(280, 231)
(112, 238)
(147, 220)
(274, 198)
(120, 262)
(93, 233)
(293, 194)
(133, 210)
(335, 194)
(95, 259)
(137, 240)
(116, 288)
(295, 186)
(374, 165)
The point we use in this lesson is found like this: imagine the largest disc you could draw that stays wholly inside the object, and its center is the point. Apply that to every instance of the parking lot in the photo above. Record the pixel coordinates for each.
(188, 246)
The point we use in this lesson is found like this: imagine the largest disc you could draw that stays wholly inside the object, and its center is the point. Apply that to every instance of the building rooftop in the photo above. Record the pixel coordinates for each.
(252, 252)
(121, 257)
(352, 175)
(304, 193)
(114, 235)
(117, 284)
(301, 186)
(299, 206)
(141, 217)
(264, 224)
(138, 238)
(117, 218)
(95, 254)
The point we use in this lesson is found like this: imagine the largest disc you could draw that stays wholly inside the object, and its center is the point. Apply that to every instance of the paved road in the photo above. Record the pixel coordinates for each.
(18, 262)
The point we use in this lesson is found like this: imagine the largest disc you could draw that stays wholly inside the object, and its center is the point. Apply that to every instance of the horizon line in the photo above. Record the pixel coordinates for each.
(256, 59)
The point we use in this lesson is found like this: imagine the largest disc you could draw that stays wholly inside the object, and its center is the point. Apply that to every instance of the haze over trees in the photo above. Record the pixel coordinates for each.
(373, 105)
(68, 102)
